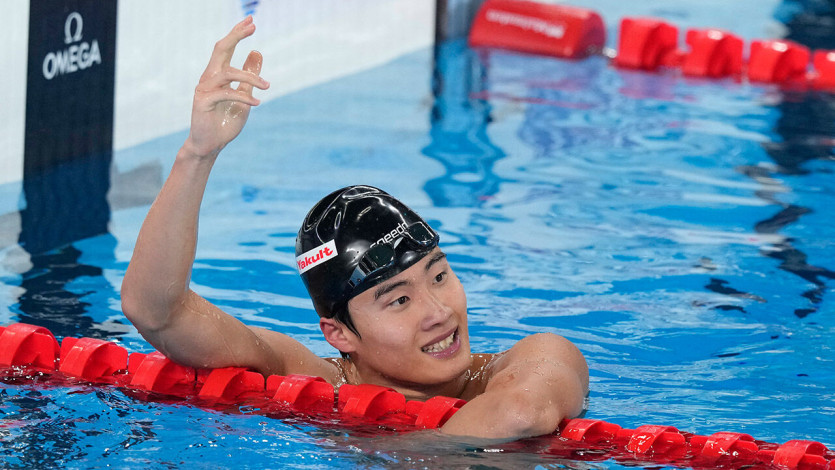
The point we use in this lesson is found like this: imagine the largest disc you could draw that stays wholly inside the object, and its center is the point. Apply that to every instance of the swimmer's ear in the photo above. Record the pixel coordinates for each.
(338, 335)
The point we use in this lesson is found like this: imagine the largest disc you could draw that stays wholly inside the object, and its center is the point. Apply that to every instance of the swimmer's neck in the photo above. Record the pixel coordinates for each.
(467, 385)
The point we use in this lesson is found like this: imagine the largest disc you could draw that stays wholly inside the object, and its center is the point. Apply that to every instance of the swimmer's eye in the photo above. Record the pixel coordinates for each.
(440, 276)
(399, 301)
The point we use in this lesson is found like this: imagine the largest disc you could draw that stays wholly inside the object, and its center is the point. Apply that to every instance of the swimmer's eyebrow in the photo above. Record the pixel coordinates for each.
(386, 288)
(434, 259)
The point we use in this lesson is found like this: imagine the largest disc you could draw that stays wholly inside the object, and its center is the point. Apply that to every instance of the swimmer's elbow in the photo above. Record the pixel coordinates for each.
(133, 310)
(533, 410)
(524, 414)
(144, 316)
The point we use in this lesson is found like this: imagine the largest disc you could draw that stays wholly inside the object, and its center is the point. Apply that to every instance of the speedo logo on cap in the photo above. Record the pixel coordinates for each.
(396, 233)
(316, 256)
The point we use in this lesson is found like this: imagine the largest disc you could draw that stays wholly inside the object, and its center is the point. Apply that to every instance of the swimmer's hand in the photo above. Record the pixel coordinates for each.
(220, 111)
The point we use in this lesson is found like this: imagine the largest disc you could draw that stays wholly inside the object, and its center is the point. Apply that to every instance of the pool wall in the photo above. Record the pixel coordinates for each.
(82, 79)
(453, 18)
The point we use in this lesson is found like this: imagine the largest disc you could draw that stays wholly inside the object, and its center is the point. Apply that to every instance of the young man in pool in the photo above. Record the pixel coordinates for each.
(385, 293)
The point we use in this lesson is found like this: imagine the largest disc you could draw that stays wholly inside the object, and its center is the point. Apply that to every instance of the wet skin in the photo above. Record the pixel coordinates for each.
(412, 332)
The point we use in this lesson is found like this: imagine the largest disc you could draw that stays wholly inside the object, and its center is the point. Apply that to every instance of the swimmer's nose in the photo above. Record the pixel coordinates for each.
(437, 312)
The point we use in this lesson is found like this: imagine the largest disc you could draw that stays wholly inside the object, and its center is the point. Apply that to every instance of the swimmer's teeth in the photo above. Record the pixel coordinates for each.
(440, 345)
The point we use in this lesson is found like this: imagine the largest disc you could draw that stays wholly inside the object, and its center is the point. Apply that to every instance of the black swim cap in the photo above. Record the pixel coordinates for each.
(354, 239)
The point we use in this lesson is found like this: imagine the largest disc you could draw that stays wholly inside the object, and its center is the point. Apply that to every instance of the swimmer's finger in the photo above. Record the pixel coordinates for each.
(213, 98)
(222, 53)
(252, 66)
(229, 75)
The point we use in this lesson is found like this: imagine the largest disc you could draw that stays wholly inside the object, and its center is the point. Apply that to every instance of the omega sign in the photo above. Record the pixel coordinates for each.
(78, 55)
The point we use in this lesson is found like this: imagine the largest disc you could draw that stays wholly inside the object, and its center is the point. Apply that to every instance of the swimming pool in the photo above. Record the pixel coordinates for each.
(676, 230)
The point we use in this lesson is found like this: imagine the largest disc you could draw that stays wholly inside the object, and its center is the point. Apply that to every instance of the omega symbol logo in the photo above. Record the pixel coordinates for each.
(75, 18)
(78, 55)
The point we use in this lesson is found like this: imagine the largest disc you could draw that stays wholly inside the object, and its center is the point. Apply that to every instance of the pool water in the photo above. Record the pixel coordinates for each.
(678, 231)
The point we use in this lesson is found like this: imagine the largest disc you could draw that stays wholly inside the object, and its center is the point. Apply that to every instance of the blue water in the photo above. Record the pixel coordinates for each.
(676, 230)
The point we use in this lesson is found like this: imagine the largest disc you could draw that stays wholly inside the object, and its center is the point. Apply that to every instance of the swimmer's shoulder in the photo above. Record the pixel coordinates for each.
(530, 351)
(544, 348)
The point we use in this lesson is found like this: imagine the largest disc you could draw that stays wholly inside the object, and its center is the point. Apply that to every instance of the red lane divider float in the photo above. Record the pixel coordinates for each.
(646, 44)
(28, 345)
(27, 350)
(713, 53)
(538, 28)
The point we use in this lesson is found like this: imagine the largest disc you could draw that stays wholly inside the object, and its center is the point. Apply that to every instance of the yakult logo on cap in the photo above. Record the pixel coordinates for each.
(316, 256)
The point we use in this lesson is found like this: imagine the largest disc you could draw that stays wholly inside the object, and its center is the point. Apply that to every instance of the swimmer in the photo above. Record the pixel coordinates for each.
(385, 293)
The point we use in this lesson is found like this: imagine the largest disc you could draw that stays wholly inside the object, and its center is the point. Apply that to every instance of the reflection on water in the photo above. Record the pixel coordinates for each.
(63, 205)
(806, 130)
(591, 122)
(47, 301)
(794, 260)
(458, 134)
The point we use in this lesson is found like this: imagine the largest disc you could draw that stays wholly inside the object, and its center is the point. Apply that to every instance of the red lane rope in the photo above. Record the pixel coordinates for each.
(27, 350)
(647, 44)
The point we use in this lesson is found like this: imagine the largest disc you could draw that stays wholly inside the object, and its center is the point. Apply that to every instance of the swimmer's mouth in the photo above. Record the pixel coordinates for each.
(441, 345)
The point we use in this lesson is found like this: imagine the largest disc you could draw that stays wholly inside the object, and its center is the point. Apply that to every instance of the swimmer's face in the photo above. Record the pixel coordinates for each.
(413, 327)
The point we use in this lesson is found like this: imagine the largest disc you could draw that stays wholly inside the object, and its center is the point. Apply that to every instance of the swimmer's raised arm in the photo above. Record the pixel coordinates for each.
(531, 388)
(156, 296)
